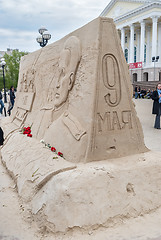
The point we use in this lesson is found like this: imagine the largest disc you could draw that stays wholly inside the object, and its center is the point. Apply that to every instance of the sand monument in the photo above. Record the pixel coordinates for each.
(76, 92)
(76, 95)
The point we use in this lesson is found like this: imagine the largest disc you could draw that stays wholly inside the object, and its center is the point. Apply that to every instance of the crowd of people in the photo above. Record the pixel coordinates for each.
(155, 95)
(11, 95)
(142, 93)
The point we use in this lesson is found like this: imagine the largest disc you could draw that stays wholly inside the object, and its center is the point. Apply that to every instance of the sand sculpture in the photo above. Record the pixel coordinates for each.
(76, 92)
(76, 95)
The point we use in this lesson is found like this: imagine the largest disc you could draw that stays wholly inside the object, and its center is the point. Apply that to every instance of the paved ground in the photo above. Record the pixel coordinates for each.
(152, 137)
(143, 228)
(3, 115)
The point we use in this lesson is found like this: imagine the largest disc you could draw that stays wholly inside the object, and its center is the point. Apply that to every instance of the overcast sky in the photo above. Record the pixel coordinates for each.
(21, 19)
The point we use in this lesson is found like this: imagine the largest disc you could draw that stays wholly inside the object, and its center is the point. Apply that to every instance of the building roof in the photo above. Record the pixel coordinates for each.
(143, 3)
(123, 11)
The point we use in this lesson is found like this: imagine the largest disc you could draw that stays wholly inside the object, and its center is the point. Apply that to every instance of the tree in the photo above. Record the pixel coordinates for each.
(12, 67)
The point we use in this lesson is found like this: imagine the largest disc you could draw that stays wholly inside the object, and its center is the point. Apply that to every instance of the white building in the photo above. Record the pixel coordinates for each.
(139, 26)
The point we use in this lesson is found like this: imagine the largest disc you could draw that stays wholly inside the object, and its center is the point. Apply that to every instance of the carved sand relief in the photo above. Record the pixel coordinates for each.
(57, 119)
(19, 117)
(114, 121)
(24, 105)
(27, 81)
(114, 116)
(76, 95)
(69, 102)
(25, 97)
(111, 80)
(68, 64)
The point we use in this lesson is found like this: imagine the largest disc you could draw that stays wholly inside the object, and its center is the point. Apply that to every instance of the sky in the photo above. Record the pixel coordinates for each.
(21, 19)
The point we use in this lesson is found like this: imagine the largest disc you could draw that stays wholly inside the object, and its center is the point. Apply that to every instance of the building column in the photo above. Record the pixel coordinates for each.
(154, 36)
(159, 41)
(123, 39)
(138, 46)
(131, 43)
(142, 40)
(148, 45)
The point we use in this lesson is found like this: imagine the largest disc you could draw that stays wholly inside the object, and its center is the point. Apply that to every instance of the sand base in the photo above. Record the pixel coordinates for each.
(131, 185)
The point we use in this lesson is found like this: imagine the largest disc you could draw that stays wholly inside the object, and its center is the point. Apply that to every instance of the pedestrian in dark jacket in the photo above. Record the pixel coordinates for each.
(1, 103)
(156, 96)
(1, 137)
(12, 99)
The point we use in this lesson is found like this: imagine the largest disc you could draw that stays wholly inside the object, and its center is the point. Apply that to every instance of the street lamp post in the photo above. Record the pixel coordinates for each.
(44, 36)
(3, 63)
(155, 59)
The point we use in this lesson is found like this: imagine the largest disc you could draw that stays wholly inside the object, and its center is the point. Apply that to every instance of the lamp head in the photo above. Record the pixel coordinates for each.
(42, 29)
(3, 63)
(39, 39)
(46, 35)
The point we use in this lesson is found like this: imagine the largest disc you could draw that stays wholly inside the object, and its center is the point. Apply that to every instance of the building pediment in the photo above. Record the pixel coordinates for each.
(154, 7)
(119, 8)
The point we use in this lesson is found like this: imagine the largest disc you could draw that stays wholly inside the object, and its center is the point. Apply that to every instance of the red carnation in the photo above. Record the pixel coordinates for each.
(29, 135)
(60, 154)
(27, 130)
(53, 149)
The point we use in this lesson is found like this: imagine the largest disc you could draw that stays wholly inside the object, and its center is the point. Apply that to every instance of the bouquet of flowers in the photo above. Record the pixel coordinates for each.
(27, 131)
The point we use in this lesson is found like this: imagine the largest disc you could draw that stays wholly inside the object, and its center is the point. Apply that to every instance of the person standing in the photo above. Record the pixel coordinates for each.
(12, 100)
(1, 103)
(156, 97)
(136, 92)
(1, 136)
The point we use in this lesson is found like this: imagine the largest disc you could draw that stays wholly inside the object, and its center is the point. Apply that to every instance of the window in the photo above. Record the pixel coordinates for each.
(126, 55)
(134, 36)
(125, 39)
(135, 77)
(134, 54)
(145, 53)
(145, 76)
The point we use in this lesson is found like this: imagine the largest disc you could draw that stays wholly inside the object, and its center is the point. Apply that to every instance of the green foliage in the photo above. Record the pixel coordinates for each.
(11, 69)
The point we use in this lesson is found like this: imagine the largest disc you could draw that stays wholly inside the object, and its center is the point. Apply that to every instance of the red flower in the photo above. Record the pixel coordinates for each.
(29, 135)
(60, 154)
(27, 130)
(53, 149)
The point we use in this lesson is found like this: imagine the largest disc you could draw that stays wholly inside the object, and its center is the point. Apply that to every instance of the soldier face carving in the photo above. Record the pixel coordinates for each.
(65, 79)
(68, 63)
